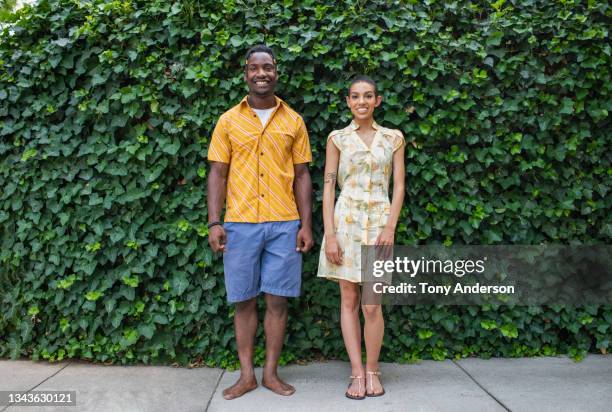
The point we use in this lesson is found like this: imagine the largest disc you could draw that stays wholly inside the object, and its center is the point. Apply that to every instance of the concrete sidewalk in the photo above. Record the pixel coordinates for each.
(527, 384)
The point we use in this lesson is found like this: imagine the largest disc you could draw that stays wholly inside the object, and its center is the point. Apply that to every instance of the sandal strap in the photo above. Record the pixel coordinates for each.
(377, 373)
(358, 382)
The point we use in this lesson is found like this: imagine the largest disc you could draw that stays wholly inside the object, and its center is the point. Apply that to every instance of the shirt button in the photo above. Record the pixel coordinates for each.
(261, 175)
(262, 195)
(262, 153)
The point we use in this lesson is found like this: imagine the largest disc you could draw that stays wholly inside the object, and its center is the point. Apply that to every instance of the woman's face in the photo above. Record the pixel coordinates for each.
(362, 100)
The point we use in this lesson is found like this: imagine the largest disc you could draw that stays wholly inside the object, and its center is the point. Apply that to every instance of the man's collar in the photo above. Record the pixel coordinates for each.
(278, 100)
(355, 126)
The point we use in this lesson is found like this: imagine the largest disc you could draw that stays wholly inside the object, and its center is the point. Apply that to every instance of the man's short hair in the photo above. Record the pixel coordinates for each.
(260, 48)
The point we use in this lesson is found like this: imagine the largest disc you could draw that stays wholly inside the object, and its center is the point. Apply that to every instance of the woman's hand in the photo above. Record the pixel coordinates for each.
(386, 237)
(333, 252)
(384, 243)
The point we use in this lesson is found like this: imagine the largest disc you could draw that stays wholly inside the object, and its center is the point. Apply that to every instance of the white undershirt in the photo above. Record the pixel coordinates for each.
(264, 114)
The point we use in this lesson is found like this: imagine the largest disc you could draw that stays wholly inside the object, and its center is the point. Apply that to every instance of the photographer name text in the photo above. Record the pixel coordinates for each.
(426, 288)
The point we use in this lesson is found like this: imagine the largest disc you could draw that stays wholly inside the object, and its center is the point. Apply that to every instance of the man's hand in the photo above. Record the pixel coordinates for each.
(217, 238)
(304, 240)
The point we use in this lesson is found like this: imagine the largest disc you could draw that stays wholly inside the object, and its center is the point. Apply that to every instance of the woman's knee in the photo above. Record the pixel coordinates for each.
(349, 296)
(371, 311)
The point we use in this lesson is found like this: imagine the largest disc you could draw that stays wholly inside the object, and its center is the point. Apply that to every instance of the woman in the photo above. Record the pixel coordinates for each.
(360, 157)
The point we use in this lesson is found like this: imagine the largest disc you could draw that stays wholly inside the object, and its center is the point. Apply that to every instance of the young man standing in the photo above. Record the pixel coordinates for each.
(259, 155)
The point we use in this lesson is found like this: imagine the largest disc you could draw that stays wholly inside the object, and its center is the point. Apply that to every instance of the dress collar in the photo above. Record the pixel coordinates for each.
(355, 126)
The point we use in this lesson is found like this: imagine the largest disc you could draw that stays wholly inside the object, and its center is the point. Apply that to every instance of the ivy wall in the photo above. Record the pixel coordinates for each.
(106, 111)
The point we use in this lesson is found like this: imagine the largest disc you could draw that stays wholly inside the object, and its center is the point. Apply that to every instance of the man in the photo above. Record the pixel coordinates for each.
(259, 155)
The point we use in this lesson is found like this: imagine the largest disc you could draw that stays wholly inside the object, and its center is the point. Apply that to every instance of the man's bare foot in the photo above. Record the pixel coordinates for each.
(276, 385)
(242, 386)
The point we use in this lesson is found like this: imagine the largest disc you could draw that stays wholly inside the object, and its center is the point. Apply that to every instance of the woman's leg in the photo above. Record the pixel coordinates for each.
(374, 329)
(351, 332)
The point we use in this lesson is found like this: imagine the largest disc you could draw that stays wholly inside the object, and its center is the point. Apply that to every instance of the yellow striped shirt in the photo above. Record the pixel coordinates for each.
(261, 159)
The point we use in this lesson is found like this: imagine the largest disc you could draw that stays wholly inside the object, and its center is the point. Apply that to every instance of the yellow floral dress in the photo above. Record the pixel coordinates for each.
(363, 206)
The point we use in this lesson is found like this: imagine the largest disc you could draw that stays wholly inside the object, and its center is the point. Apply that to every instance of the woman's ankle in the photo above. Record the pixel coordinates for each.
(372, 367)
(357, 370)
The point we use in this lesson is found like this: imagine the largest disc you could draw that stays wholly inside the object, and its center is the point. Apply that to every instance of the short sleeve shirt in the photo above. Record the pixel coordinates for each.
(261, 160)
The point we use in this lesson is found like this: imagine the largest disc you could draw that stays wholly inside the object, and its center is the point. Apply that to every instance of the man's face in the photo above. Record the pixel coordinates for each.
(260, 74)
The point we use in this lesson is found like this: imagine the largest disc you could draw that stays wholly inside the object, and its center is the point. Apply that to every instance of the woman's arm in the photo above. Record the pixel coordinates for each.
(387, 237)
(399, 177)
(332, 159)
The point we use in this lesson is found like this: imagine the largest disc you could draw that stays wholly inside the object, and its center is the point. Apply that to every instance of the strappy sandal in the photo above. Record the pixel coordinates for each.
(348, 395)
(373, 395)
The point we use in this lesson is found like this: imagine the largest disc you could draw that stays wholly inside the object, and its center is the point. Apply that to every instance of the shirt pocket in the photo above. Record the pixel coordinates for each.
(242, 144)
(279, 141)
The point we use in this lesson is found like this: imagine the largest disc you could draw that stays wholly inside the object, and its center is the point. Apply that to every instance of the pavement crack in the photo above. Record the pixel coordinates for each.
(481, 387)
(214, 390)
(40, 383)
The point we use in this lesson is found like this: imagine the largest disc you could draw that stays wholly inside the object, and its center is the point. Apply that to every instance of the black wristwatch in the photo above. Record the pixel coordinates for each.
(211, 224)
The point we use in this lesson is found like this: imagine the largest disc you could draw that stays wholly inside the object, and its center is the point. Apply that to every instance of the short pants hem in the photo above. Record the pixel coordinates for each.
(242, 298)
(281, 292)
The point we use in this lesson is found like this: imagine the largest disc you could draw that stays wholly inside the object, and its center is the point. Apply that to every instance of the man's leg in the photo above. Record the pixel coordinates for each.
(241, 264)
(281, 277)
(245, 326)
(275, 322)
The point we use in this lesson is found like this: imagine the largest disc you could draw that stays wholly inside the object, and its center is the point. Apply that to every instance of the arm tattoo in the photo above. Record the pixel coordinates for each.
(330, 177)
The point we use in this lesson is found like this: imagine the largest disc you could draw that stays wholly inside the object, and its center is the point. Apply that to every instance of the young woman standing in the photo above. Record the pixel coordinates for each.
(361, 158)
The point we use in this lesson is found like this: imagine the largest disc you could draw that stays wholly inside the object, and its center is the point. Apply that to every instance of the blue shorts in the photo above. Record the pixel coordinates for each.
(261, 257)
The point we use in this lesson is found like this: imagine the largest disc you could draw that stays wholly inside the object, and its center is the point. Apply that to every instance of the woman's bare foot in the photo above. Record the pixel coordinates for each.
(276, 385)
(242, 386)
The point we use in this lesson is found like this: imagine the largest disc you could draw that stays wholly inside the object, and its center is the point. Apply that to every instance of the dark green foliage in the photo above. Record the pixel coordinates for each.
(106, 109)
(6, 9)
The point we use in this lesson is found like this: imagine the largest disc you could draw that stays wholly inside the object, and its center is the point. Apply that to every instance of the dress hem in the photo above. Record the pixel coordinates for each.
(337, 278)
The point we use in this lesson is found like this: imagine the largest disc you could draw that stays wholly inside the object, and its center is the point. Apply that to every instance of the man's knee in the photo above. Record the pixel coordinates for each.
(246, 306)
(276, 305)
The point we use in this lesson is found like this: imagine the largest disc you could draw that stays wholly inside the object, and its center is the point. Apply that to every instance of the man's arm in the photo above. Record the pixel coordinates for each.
(302, 189)
(217, 188)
